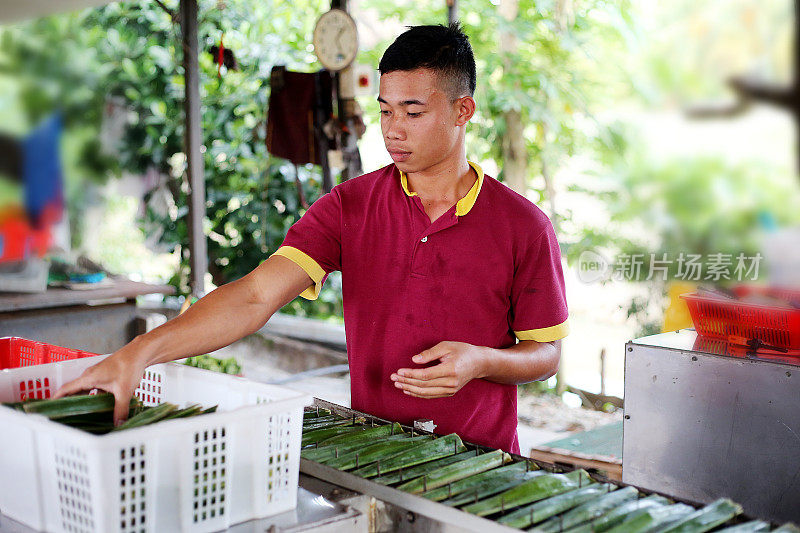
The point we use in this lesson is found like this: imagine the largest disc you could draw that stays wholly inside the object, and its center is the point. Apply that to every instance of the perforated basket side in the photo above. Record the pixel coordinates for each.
(198, 474)
(283, 436)
(209, 492)
(135, 486)
(28, 353)
(17, 352)
(40, 381)
(283, 449)
(151, 388)
(74, 489)
(724, 319)
(54, 354)
(67, 477)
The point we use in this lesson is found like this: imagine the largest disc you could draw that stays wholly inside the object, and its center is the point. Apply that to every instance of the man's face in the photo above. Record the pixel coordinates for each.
(420, 124)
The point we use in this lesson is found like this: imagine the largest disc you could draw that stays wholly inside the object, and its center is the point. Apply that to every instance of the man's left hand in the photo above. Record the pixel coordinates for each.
(459, 363)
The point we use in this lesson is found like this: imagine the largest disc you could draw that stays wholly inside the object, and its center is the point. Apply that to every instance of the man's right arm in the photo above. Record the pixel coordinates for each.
(222, 317)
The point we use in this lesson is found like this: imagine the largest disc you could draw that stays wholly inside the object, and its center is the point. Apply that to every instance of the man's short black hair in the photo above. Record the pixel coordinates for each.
(443, 49)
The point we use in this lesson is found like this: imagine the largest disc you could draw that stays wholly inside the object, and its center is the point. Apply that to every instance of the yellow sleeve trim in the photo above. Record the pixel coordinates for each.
(464, 205)
(312, 268)
(553, 333)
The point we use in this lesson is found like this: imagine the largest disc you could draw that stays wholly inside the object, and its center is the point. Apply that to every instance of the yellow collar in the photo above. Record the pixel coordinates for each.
(464, 205)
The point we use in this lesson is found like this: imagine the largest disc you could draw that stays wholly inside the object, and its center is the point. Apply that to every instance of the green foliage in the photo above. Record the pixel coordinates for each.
(572, 60)
(694, 48)
(209, 362)
(553, 80)
(131, 52)
(699, 205)
(663, 208)
(640, 310)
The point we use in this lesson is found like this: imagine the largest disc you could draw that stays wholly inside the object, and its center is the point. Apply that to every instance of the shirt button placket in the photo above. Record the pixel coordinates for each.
(424, 239)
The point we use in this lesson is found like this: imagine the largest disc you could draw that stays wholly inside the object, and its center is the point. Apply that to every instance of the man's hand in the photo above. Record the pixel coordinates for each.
(119, 374)
(459, 363)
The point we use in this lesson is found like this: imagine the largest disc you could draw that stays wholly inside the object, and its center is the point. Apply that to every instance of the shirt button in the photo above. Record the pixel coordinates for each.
(424, 239)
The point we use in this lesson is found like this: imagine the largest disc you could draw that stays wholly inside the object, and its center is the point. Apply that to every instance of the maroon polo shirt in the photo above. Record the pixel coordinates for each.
(487, 272)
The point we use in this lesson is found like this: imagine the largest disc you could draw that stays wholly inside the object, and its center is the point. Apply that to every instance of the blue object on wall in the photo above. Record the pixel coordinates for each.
(41, 168)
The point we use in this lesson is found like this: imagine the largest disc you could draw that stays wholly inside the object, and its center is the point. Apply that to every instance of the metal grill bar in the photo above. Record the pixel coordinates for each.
(416, 504)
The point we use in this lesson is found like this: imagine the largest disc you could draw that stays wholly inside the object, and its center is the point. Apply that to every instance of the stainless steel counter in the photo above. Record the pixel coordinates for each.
(704, 419)
(313, 513)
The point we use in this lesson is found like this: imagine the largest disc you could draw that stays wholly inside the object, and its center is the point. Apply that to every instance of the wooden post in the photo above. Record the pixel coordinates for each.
(603, 371)
(193, 140)
(515, 153)
(319, 135)
(452, 11)
(344, 111)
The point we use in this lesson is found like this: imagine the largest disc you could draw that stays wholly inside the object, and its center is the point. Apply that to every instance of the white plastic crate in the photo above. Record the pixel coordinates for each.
(197, 474)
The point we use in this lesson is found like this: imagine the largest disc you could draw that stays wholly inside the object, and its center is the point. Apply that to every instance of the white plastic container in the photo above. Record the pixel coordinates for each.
(196, 474)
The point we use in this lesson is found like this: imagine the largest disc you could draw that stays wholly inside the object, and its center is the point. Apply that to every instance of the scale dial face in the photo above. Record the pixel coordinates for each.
(335, 39)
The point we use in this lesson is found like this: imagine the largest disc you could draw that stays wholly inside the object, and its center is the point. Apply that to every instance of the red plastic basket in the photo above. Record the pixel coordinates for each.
(16, 352)
(721, 347)
(733, 320)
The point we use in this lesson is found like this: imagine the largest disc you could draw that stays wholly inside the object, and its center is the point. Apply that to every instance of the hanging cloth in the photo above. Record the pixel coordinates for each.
(290, 118)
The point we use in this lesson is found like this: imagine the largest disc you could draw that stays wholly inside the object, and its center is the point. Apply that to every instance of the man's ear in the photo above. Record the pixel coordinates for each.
(466, 108)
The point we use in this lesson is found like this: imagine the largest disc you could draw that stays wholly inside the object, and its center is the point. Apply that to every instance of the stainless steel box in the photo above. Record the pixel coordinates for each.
(703, 423)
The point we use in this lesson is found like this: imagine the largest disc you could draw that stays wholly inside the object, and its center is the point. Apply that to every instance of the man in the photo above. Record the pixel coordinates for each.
(442, 267)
